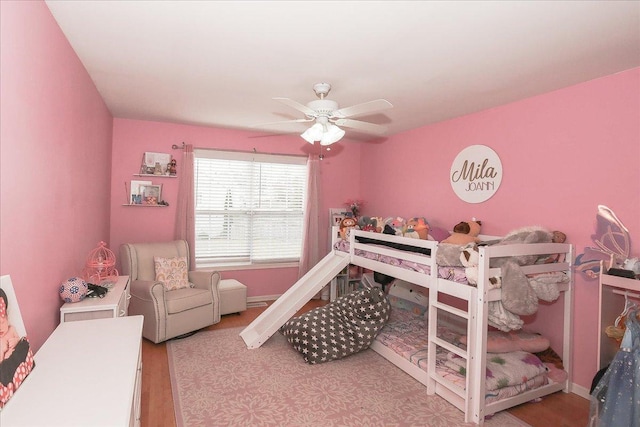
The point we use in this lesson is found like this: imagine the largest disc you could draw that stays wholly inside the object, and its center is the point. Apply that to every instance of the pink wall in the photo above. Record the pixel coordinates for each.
(563, 153)
(55, 162)
(131, 138)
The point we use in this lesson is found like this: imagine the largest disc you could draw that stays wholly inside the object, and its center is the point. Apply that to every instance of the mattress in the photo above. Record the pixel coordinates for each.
(508, 374)
(343, 246)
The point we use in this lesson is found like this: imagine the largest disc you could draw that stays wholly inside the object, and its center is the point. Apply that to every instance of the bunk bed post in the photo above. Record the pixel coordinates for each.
(568, 325)
(477, 362)
(432, 331)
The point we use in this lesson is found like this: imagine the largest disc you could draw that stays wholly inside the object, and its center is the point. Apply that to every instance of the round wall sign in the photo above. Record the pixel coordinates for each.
(476, 174)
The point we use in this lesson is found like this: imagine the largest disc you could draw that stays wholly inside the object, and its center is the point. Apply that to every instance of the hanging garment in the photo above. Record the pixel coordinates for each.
(615, 401)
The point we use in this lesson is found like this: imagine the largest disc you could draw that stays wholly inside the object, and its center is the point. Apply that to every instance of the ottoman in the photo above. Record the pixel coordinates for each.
(233, 296)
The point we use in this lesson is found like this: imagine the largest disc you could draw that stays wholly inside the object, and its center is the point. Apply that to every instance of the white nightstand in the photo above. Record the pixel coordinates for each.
(114, 304)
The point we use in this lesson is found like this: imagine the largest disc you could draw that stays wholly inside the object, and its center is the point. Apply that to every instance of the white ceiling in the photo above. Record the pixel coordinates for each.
(220, 63)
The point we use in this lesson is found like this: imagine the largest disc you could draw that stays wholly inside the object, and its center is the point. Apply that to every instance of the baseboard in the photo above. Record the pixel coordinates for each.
(580, 391)
(263, 298)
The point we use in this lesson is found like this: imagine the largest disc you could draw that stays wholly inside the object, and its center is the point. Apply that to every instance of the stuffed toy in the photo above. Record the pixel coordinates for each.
(394, 225)
(372, 224)
(417, 228)
(464, 232)
(346, 225)
(469, 257)
(379, 222)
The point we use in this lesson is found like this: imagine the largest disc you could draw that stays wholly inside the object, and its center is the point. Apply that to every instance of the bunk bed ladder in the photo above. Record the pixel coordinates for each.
(437, 383)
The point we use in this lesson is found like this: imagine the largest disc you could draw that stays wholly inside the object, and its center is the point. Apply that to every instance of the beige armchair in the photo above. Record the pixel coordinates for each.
(168, 314)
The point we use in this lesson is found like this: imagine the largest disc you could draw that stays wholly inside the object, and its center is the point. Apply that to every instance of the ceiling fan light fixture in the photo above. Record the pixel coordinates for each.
(314, 133)
(333, 134)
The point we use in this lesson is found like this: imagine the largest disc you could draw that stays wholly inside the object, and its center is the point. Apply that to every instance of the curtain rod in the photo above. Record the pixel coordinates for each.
(180, 147)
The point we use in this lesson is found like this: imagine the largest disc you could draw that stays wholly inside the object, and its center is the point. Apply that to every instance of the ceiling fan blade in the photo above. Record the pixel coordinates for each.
(363, 126)
(282, 122)
(364, 108)
(300, 107)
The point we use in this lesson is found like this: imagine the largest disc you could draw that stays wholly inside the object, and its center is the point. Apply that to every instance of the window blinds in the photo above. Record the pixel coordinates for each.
(248, 207)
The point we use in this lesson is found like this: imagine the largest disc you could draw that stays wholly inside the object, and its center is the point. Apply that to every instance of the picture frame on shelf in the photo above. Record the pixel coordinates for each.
(151, 194)
(155, 163)
(135, 191)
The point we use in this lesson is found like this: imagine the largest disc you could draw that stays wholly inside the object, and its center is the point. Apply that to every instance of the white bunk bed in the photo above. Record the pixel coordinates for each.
(471, 398)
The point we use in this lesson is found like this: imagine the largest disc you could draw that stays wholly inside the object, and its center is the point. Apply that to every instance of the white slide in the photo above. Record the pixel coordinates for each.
(265, 325)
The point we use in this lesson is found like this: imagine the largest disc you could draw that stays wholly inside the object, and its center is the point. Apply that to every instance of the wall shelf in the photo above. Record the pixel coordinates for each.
(146, 206)
(155, 176)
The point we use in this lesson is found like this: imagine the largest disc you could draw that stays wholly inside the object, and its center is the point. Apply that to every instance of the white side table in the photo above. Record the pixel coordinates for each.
(86, 374)
(114, 304)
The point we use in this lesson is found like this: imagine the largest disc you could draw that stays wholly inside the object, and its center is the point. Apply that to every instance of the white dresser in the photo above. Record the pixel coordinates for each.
(86, 374)
(114, 304)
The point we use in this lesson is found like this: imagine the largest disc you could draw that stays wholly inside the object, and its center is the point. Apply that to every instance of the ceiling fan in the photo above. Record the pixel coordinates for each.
(328, 116)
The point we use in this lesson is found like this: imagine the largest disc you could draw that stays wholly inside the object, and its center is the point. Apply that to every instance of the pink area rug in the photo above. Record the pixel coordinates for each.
(217, 381)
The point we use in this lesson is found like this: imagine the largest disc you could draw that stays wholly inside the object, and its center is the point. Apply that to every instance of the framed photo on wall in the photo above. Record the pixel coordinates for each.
(16, 355)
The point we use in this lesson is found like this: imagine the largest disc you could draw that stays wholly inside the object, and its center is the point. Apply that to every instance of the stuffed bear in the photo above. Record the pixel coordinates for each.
(464, 232)
(417, 228)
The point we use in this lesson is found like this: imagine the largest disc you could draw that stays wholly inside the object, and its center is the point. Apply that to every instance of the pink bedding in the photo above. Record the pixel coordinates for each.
(508, 374)
(343, 246)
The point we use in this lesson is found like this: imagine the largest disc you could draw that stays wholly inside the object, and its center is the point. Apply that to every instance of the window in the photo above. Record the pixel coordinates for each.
(248, 207)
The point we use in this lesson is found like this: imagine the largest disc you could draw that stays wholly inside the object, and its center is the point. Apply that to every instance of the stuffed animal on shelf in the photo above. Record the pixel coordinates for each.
(417, 228)
(346, 225)
(464, 232)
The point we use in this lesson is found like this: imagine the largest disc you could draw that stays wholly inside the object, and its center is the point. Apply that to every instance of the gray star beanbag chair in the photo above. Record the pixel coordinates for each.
(344, 327)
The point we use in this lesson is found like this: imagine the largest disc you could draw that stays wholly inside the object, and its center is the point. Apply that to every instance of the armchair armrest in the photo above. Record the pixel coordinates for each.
(205, 279)
(147, 290)
(208, 279)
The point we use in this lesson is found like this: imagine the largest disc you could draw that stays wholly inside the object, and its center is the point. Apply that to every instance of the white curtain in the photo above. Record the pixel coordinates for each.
(185, 208)
(310, 232)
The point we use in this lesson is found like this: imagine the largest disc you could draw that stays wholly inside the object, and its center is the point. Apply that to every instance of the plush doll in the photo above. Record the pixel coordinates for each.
(379, 223)
(464, 232)
(469, 257)
(394, 225)
(417, 228)
(346, 225)
(368, 224)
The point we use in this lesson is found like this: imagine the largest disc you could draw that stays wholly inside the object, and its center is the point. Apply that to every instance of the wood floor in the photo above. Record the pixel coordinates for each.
(557, 410)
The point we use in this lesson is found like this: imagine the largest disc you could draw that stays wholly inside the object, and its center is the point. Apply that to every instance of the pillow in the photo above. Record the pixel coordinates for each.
(403, 304)
(408, 296)
(172, 272)
(506, 342)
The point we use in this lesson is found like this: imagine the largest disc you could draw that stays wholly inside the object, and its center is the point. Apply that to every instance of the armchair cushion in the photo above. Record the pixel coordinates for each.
(172, 272)
(185, 299)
